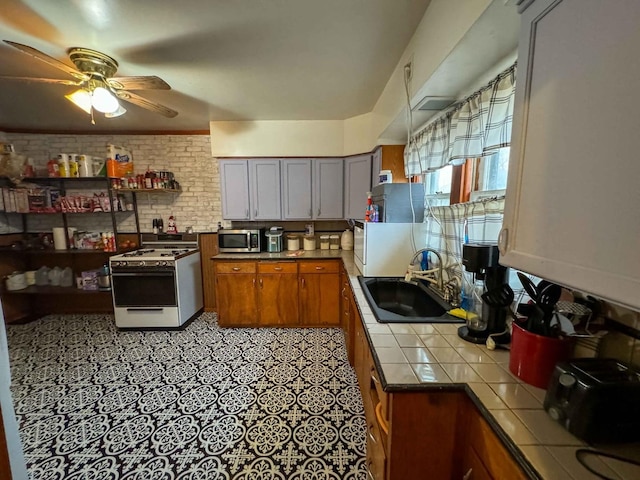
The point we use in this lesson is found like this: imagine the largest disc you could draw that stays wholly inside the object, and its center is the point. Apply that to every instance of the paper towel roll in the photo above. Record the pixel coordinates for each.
(59, 238)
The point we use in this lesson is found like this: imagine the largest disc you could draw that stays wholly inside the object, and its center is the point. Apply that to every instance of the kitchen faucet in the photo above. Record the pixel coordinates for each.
(420, 273)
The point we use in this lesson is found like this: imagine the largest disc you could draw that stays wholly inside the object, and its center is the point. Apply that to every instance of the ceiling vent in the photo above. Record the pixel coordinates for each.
(429, 104)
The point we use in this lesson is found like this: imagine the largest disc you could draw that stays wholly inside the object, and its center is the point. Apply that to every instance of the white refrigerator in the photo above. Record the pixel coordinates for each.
(385, 249)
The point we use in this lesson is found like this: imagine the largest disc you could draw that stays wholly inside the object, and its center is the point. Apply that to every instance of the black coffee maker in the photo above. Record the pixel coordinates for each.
(488, 274)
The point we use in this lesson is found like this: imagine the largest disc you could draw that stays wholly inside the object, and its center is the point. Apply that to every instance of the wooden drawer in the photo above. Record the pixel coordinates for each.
(277, 267)
(309, 266)
(235, 267)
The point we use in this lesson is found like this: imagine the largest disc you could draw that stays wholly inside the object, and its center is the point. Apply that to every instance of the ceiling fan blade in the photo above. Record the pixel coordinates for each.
(43, 57)
(144, 103)
(72, 83)
(139, 83)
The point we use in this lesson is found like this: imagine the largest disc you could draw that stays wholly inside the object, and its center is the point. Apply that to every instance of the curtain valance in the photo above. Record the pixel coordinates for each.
(475, 127)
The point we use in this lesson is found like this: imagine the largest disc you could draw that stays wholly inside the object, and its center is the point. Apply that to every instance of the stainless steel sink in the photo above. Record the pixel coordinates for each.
(393, 300)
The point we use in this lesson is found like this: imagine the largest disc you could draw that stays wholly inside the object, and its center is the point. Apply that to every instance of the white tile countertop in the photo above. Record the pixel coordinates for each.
(425, 356)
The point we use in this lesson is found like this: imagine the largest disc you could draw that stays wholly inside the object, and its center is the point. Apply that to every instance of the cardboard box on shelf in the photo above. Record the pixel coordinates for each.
(89, 279)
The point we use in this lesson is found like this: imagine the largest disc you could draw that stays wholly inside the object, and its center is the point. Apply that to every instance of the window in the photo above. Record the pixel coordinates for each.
(437, 186)
(491, 175)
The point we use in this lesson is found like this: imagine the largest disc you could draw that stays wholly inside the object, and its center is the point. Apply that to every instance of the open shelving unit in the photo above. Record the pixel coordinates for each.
(35, 301)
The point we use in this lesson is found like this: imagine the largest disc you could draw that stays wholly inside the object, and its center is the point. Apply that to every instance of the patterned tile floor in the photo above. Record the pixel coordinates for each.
(97, 403)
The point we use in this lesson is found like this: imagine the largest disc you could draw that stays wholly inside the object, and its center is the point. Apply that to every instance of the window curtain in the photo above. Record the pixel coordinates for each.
(475, 127)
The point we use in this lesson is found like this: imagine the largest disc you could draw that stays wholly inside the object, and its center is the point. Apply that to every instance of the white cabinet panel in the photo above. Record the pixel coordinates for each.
(264, 175)
(296, 189)
(328, 178)
(357, 182)
(234, 185)
(571, 212)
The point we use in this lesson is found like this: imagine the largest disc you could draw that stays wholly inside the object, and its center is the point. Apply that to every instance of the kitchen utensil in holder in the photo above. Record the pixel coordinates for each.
(533, 357)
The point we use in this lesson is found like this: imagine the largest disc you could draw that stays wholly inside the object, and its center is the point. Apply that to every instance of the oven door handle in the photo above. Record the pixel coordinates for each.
(144, 309)
(155, 273)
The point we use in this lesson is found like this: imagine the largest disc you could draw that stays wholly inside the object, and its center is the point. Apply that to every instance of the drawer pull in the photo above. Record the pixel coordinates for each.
(319, 268)
(372, 436)
(375, 380)
(468, 475)
(277, 269)
(381, 421)
(236, 269)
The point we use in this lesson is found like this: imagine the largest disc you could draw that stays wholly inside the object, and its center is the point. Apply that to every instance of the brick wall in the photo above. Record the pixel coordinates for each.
(187, 156)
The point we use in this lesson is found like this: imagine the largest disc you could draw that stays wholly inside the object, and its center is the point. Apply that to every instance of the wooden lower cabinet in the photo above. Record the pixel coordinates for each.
(208, 245)
(346, 314)
(425, 434)
(278, 293)
(236, 295)
(253, 293)
(480, 453)
(319, 293)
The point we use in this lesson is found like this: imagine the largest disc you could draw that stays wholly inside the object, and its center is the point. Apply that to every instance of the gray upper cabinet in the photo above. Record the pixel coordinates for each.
(264, 179)
(357, 182)
(234, 186)
(328, 178)
(296, 189)
(571, 210)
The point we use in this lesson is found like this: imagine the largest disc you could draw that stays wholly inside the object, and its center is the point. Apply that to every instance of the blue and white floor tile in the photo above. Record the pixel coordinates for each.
(95, 403)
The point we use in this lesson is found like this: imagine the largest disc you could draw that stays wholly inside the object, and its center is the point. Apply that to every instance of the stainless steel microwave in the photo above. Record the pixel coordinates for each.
(241, 241)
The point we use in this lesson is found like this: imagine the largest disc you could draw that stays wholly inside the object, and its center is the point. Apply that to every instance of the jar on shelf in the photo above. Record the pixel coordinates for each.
(309, 242)
(293, 242)
(324, 242)
(334, 242)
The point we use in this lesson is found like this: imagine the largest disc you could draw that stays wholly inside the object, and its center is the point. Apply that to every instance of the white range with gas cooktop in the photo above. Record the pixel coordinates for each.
(157, 287)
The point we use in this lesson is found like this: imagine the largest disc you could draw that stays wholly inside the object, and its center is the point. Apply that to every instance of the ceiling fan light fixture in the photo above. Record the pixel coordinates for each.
(104, 101)
(120, 111)
(81, 98)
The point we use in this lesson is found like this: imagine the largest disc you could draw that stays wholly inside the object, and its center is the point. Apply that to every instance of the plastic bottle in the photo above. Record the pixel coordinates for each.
(63, 164)
(52, 168)
(367, 213)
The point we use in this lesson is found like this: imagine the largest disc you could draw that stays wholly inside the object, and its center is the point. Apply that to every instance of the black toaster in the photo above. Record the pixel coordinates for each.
(597, 400)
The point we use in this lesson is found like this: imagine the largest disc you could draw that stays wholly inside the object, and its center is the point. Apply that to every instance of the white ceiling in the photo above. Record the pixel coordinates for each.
(224, 59)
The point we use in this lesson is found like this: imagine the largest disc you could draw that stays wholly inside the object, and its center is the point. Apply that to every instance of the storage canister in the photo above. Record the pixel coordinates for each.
(324, 242)
(293, 242)
(334, 242)
(309, 242)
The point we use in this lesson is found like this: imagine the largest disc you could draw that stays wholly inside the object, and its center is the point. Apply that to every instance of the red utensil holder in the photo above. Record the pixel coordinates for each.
(533, 357)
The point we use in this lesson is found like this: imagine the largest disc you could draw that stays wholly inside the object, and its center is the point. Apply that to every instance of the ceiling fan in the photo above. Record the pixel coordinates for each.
(98, 88)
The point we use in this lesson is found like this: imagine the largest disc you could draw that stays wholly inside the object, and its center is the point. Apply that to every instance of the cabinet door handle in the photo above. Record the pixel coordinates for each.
(246, 213)
(369, 474)
(302, 281)
(342, 293)
(260, 283)
(503, 240)
(318, 212)
(381, 421)
(467, 475)
(255, 213)
(310, 213)
(373, 439)
(236, 269)
(254, 283)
